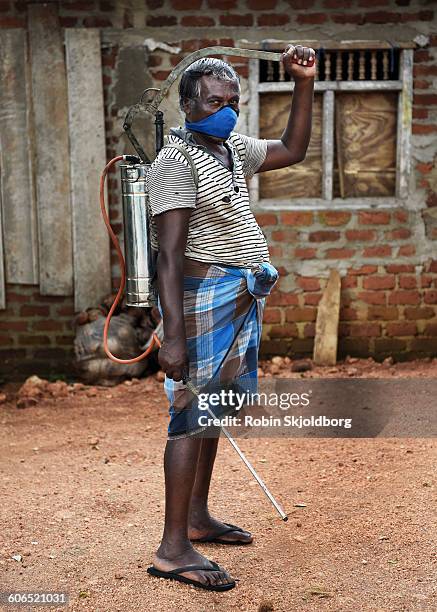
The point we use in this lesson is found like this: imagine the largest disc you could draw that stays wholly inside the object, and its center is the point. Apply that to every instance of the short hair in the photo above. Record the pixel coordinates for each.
(189, 85)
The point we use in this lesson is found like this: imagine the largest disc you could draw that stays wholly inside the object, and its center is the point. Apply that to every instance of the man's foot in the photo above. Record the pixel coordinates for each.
(212, 529)
(190, 556)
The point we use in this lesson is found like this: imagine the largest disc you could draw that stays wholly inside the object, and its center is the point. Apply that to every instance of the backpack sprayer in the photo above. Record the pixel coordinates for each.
(138, 265)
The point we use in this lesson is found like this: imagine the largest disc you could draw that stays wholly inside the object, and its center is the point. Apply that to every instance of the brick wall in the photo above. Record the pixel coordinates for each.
(388, 258)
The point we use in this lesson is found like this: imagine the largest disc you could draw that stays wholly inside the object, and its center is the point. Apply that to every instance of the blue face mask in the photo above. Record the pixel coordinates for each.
(220, 124)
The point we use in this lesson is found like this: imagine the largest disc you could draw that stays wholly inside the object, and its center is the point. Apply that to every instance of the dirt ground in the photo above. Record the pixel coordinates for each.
(82, 507)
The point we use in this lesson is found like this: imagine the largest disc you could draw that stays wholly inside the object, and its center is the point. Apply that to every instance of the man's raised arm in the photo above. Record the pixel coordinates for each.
(293, 145)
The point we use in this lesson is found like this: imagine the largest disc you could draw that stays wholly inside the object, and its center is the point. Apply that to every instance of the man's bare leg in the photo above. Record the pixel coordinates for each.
(201, 523)
(180, 460)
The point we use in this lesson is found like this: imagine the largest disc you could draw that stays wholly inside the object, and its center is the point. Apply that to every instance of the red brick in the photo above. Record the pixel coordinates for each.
(401, 328)
(276, 251)
(347, 18)
(19, 298)
(421, 55)
(426, 312)
(312, 18)
(47, 325)
(379, 282)
(194, 45)
(97, 22)
(324, 236)
(284, 331)
(312, 299)
(284, 235)
(223, 5)
(360, 235)
(408, 249)
(64, 340)
(65, 311)
(369, 3)
(349, 282)
(420, 113)
(309, 330)
(398, 234)
(261, 5)
(12, 22)
(364, 329)
(431, 329)
(272, 315)
(272, 20)
(34, 340)
(419, 16)
(300, 314)
(383, 17)
(372, 297)
(396, 268)
(363, 270)
(334, 217)
(425, 99)
(339, 253)
(30, 311)
(186, 5)
(336, 3)
(68, 22)
(235, 20)
(297, 218)
(308, 283)
(266, 219)
(6, 340)
(348, 314)
(197, 21)
(401, 216)
(423, 129)
(80, 5)
(407, 282)
(430, 297)
(382, 250)
(160, 21)
(278, 298)
(13, 325)
(384, 313)
(301, 4)
(404, 297)
(374, 217)
(301, 253)
(426, 280)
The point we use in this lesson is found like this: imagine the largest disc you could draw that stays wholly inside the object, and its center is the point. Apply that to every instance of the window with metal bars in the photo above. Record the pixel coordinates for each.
(359, 154)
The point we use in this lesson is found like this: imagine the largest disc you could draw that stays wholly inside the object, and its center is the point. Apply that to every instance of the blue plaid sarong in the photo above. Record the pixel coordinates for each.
(219, 312)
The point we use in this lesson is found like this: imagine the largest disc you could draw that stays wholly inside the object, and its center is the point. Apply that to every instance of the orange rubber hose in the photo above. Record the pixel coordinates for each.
(114, 240)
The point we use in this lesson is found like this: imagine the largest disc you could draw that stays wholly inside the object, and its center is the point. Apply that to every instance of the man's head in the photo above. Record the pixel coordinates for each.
(206, 86)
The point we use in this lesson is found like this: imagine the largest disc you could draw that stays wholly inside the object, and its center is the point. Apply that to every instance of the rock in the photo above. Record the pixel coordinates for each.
(58, 389)
(388, 361)
(3, 398)
(301, 365)
(26, 402)
(260, 373)
(119, 575)
(287, 360)
(351, 371)
(266, 606)
(274, 369)
(277, 360)
(160, 376)
(91, 392)
(351, 359)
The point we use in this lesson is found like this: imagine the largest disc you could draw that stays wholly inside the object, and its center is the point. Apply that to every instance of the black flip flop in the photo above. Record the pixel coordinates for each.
(175, 575)
(217, 540)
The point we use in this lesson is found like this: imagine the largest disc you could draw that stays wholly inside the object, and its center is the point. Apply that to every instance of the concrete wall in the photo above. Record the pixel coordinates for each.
(389, 300)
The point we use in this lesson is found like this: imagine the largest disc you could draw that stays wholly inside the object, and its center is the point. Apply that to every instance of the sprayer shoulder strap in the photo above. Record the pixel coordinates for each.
(187, 156)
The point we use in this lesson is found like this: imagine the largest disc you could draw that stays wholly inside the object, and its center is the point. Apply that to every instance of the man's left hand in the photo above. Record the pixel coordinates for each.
(296, 59)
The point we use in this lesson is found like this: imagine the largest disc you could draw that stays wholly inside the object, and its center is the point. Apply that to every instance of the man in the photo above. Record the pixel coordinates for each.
(208, 241)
